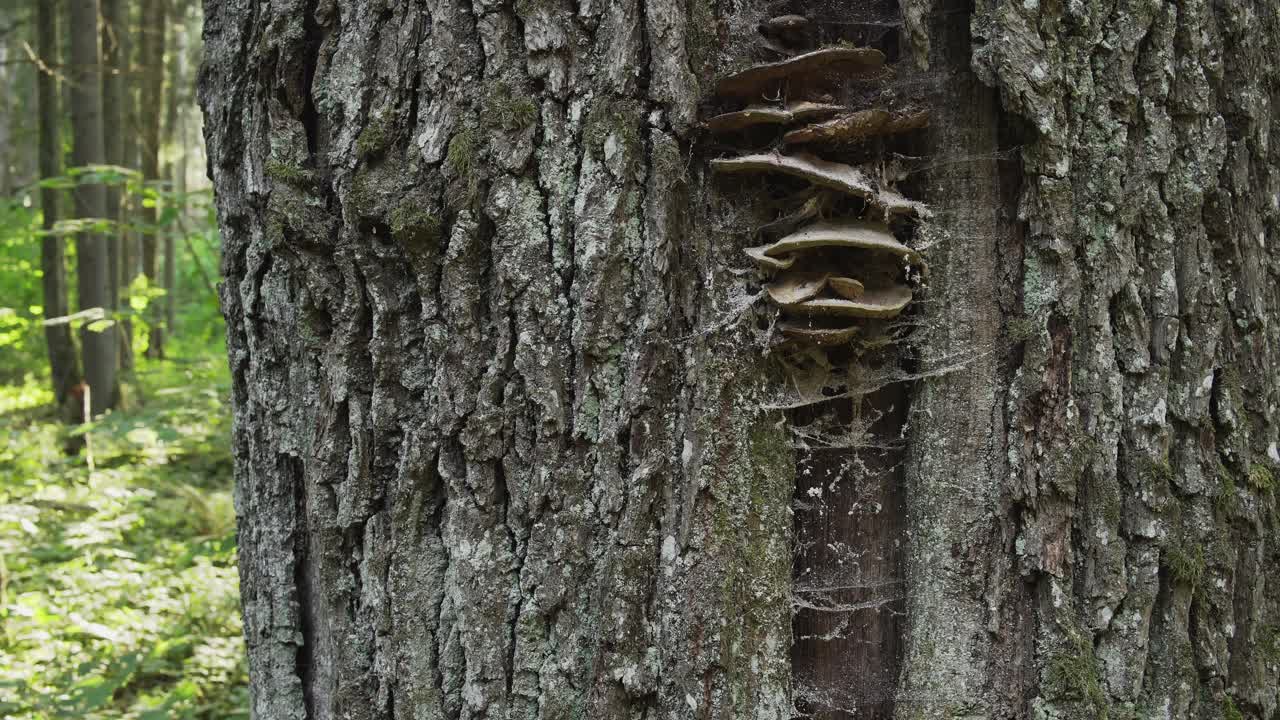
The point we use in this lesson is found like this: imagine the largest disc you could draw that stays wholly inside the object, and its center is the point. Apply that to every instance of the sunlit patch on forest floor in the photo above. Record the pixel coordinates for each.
(118, 589)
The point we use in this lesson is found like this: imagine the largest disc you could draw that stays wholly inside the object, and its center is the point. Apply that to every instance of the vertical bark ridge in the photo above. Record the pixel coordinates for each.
(1148, 266)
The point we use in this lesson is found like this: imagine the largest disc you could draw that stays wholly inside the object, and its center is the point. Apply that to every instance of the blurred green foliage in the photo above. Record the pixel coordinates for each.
(189, 217)
(119, 596)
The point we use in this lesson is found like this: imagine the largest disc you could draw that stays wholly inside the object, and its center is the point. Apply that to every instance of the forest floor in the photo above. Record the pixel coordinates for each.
(118, 589)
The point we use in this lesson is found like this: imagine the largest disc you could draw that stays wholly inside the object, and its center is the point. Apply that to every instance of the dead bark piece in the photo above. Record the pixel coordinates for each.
(771, 115)
(755, 80)
(847, 287)
(834, 175)
(880, 303)
(857, 126)
(799, 330)
(794, 287)
(857, 234)
(767, 262)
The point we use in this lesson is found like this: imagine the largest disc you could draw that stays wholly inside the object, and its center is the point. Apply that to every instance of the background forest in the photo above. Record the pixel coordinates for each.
(118, 588)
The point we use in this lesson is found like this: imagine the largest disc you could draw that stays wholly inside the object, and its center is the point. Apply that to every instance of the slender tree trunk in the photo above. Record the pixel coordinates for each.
(173, 104)
(64, 368)
(115, 26)
(520, 433)
(128, 265)
(151, 53)
(98, 345)
(9, 116)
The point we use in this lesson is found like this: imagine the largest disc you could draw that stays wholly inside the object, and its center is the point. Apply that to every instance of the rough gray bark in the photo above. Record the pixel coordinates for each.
(64, 368)
(1102, 553)
(97, 345)
(532, 481)
(501, 427)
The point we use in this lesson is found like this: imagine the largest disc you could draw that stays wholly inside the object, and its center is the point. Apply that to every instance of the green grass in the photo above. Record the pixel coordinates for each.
(118, 589)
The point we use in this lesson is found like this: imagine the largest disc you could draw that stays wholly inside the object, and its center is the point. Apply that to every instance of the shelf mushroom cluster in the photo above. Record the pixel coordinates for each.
(831, 275)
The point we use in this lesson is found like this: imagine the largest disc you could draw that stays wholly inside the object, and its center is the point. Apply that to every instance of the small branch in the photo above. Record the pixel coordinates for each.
(94, 313)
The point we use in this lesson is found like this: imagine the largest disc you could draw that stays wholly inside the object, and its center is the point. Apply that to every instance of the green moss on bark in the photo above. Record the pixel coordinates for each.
(291, 175)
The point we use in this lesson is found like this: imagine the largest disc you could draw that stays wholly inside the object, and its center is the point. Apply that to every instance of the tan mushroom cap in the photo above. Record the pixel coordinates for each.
(771, 115)
(847, 288)
(753, 80)
(818, 335)
(880, 303)
(793, 287)
(767, 262)
(857, 234)
(856, 126)
(834, 175)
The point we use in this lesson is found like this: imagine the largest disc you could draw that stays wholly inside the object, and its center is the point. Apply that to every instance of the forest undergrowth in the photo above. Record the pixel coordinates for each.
(119, 596)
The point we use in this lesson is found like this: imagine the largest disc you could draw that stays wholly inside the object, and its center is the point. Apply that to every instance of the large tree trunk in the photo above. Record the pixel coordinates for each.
(64, 368)
(98, 344)
(514, 439)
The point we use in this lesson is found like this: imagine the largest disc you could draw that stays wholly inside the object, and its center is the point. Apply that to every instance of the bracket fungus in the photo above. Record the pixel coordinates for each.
(817, 334)
(846, 287)
(756, 80)
(814, 283)
(857, 126)
(855, 234)
(881, 303)
(754, 115)
(834, 175)
(794, 287)
(767, 262)
(828, 275)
